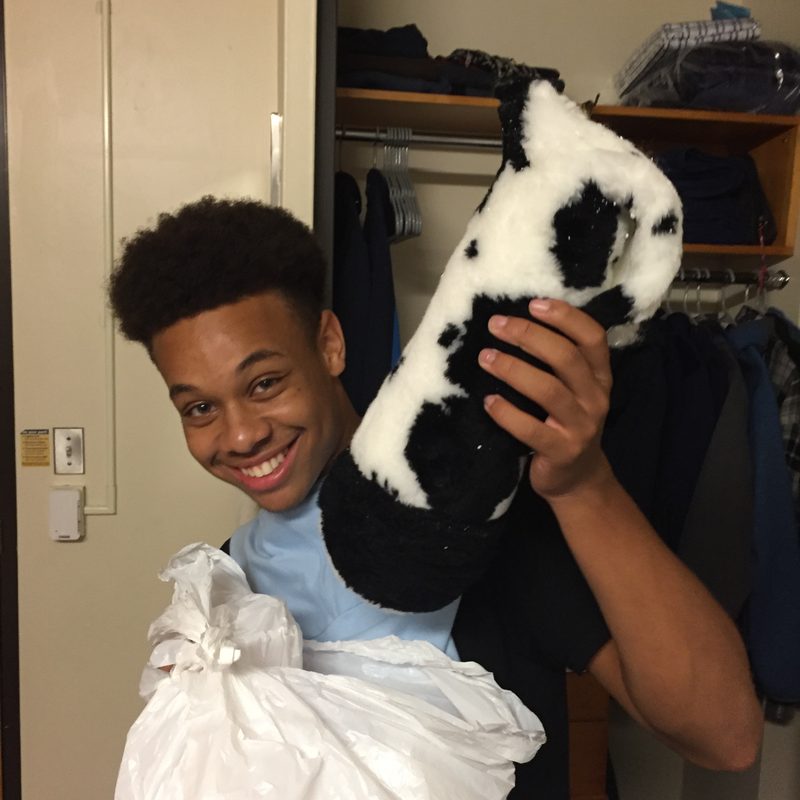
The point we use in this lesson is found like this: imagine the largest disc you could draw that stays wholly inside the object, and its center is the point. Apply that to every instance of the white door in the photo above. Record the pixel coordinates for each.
(118, 111)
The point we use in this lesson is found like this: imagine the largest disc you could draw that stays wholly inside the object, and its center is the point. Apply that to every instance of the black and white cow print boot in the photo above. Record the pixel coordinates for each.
(412, 512)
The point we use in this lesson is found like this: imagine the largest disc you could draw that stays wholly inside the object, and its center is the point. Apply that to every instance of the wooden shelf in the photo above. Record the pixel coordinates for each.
(772, 141)
(367, 109)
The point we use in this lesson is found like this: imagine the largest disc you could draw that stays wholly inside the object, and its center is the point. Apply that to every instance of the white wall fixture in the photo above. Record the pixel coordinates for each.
(66, 513)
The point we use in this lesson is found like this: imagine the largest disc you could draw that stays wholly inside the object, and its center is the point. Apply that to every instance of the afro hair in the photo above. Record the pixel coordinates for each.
(211, 253)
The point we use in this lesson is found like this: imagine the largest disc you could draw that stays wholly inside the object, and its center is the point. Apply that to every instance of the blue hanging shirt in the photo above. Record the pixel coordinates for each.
(283, 555)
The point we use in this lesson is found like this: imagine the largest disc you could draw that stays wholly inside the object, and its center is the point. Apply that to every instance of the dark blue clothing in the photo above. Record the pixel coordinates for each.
(406, 41)
(352, 284)
(372, 79)
(691, 415)
(676, 438)
(772, 621)
(398, 60)
(717, 537)
(383, 327)
(633, 432)
(723, 202)
(531, 617)
(363, 286)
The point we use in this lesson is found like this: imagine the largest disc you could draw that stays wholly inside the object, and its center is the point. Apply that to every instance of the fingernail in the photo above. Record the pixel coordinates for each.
(489, 400)
(497, 321)
(539, 304)
(488, 356)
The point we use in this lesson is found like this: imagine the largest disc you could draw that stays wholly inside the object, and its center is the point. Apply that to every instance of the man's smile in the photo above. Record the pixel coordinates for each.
(265, 468)
(269, 473)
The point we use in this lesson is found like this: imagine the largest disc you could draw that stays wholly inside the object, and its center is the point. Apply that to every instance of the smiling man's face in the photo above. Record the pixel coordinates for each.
(259, 396)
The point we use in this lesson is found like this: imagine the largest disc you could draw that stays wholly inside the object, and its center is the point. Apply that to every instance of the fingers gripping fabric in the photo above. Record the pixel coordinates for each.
(413, 511)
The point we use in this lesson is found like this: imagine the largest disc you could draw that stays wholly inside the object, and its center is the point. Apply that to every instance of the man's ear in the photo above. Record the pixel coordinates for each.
(331, 342)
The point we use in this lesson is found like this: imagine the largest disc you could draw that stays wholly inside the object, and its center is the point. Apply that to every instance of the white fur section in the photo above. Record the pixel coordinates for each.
(505, 504)
(514, 235)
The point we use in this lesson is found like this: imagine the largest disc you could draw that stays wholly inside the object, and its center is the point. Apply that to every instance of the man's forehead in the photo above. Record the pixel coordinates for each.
(222, 343)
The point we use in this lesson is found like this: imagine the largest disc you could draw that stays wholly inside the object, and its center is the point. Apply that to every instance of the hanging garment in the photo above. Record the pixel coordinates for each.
(352, 284)
(772, 620)
(717, 537)
(692, 410)
(379, 225)
(632, 435)
(363, 286)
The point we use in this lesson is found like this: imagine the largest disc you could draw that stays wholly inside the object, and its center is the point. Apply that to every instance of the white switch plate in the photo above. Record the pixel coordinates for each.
(66, 513)
(68, 451)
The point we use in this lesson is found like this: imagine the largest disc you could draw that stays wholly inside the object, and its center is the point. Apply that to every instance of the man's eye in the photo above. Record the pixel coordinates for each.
(198, 410)
(264, 385)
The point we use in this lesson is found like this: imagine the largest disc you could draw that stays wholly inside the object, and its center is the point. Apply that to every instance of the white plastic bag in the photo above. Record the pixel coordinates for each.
(239, 717)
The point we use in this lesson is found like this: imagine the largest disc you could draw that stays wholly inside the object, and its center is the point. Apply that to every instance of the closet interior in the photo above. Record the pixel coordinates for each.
(718, 317)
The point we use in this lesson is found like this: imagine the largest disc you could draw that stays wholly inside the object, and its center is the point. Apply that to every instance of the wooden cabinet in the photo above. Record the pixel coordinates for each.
(772, 141)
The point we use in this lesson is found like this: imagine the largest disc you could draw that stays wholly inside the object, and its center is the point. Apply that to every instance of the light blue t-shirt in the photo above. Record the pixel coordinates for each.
(283, 555)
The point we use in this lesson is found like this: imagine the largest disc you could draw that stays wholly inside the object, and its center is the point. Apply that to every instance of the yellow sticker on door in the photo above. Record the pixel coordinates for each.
(35, 447)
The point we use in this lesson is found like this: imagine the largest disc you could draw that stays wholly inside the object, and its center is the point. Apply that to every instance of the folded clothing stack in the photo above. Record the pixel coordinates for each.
(397, 59)
(723, 200)
(758, 77)
(673, 37)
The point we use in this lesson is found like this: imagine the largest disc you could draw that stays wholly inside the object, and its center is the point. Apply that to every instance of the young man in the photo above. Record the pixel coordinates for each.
(227, 296)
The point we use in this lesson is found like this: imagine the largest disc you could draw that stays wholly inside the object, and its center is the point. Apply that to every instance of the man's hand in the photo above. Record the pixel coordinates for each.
(566, 445)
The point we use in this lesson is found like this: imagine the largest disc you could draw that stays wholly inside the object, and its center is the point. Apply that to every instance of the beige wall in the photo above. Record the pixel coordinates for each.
(587, 42)
(193, 85)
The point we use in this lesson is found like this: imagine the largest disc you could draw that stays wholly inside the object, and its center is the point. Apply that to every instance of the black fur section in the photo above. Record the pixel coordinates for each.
(609, 308)
(585, 232)
(456, 444)
(464, 462)
(399, 557)
(472, 249)
(448, 336)
(462, 365)
(668, 224)
(513, 96)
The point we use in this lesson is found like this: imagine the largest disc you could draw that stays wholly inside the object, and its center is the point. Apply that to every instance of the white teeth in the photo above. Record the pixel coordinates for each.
(260, 470)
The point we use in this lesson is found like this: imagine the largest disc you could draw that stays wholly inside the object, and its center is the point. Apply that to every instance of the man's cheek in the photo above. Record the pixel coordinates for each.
(199, 447)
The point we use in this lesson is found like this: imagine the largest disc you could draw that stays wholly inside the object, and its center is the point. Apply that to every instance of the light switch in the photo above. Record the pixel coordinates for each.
(66, 513)
(68, 451)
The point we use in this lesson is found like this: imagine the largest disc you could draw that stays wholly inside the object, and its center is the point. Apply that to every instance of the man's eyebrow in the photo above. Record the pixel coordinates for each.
(254, 358)
(180, 388)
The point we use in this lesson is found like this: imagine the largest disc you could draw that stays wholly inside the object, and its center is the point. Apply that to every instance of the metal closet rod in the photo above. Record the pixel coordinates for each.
(774, 280)
(434, 139)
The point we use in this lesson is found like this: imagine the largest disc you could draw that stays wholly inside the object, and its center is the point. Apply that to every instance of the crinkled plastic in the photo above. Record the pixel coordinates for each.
(761, 77)
(250, 711)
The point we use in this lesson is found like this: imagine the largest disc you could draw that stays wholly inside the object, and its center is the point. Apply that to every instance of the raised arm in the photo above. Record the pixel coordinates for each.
(675, 660)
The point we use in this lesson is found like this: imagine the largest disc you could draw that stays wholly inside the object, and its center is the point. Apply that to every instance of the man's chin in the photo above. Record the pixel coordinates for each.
(283, 499)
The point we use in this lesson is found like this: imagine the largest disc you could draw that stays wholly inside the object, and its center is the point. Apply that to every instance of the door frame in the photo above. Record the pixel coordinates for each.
(9, 627)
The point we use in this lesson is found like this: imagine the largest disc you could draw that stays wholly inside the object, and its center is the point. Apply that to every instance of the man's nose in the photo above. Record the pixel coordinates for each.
(244, 431)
